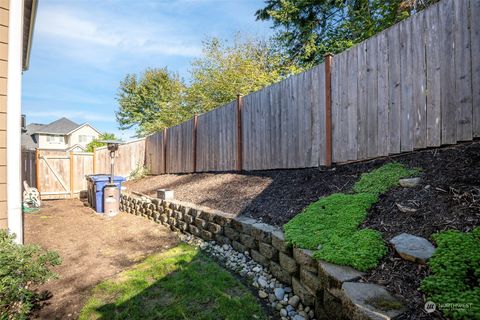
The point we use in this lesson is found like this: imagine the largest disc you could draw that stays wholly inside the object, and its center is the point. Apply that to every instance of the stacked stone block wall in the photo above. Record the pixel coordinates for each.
(318, 284)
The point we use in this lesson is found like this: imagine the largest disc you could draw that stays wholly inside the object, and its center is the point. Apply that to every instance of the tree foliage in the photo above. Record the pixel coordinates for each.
(308, 29)
(227, 69)
(159, 99)
(152, 101)
(95, 143)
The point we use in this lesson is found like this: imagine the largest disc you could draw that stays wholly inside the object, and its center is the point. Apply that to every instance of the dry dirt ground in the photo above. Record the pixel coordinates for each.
(92, 248)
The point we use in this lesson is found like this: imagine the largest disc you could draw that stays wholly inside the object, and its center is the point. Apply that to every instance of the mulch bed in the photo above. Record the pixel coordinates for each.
(448, 198)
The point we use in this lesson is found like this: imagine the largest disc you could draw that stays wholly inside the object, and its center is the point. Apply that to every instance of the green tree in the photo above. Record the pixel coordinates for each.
(152, 101)
(227, 69)
(308, 29)
(95, 143)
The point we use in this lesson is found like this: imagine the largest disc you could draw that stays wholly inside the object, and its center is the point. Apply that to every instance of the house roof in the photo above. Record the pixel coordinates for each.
(60, 126)
(28, 138)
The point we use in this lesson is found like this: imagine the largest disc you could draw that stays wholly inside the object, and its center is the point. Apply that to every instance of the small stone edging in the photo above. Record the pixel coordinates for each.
(323, 290)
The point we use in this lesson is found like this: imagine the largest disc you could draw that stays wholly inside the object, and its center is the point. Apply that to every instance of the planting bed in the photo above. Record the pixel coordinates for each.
(448, 198)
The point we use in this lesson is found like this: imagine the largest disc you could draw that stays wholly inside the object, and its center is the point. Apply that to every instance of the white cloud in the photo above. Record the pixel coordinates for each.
(83, 115)
(103, 30)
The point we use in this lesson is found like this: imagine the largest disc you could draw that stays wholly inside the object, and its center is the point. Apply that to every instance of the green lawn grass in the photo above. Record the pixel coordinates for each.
(180, 283)
(455, 274)
(330, 225)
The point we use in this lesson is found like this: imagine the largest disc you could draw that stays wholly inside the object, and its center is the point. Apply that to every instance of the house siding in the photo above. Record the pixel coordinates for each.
(74, 138)
(4, 6)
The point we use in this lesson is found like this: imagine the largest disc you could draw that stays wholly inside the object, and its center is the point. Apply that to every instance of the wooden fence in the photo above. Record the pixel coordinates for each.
(57, 174)
(129, 157)
(412, 86)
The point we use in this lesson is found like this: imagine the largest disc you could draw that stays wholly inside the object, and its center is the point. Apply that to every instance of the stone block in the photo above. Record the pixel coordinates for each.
(182, 225)
(243, 224)
(333, 305)
(310, 280)
(178, 214)
(333, 275)
(256, 256)
(172, 222)
(188, 218)
(370, 301)
(239, 247)
(305, 259)
(214, 228)
(222, 220)
(306, 296)
(206, 235)
(185, 210)
(222, 239)
(206, 215)
(231, 233)
(268, 251)
(248, 241)
(263, 232)
(195, 213)
(163, 218)
(278, 241)
(278, 272)
(200, 223)
(194, 230)
(288, 263)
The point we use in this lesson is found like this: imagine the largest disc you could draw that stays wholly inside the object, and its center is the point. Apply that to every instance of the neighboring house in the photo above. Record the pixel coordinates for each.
(17, 19)
(62, 134)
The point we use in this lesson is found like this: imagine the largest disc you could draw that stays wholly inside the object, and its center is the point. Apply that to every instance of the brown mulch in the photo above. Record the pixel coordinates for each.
(448, 198)
(92, 249)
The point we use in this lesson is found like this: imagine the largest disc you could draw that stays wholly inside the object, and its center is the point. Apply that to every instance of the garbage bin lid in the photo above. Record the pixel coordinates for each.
(104, 178)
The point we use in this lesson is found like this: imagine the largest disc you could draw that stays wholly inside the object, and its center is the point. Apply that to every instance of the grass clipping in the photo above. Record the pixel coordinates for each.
(330, 225)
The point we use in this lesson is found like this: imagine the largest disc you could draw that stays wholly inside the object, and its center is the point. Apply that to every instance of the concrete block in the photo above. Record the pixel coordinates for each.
(305, 259)
(239, 247)
(306, 296)
(258, 257)
(262, 232)
(243, 224)
(214, 228)
(288, 263)
(248, 241)
(268, 251)
(278, 272)
(231, 233)
(165, 194)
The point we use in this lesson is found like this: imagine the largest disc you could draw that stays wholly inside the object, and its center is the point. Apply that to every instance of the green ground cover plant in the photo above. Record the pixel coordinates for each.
(330, 225)
(180, 283)
(21, 268)
(455, 274)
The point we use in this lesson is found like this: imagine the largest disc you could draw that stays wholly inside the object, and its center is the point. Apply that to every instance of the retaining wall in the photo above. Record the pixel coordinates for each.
(320, 285)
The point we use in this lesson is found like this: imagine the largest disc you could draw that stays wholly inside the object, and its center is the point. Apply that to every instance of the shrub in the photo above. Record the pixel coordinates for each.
(139, 172)
(455, 273)
(21, 267)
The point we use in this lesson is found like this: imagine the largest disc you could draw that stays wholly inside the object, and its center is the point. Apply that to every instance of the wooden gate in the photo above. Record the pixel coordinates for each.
(61, 174)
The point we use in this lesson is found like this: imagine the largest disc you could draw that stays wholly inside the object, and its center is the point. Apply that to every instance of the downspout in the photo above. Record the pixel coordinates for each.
(14, 105)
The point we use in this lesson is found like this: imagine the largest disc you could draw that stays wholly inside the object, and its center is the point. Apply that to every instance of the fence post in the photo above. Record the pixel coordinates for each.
(37, 169)
(328, 109)
(165, 150)
(195, 121)
(72, 167)
(239, 133)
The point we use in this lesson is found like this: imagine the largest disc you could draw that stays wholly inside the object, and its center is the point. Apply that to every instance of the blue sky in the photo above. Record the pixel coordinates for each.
(83, 48)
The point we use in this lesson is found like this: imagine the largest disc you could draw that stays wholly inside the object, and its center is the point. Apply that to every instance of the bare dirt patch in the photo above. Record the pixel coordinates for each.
(92, 248)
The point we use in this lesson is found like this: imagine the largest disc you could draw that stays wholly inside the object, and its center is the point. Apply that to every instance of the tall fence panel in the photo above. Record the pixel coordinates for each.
(155, 153)
(217, 139)
(409, 87)
(130, 156)
(180, 148)
(283, 124)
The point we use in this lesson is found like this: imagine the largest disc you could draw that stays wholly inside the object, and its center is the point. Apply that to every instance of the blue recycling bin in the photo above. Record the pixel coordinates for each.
(96, 183)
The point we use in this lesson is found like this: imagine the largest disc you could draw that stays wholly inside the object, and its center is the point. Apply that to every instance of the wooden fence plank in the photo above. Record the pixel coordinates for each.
(394, 89)
(362, 101)
(382, 94)
(406, 113)
(433, 68)
(475, 49)
(419, 107)
(372, 97)
(463, 70)
(447, 73)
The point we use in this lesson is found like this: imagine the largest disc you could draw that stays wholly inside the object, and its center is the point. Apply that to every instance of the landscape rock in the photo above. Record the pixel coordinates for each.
(279, 293)
(333, 275)
(413, 248)
(405, 209)
(371, 301)
(262, 294)
(409, 182)
(293, 301)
